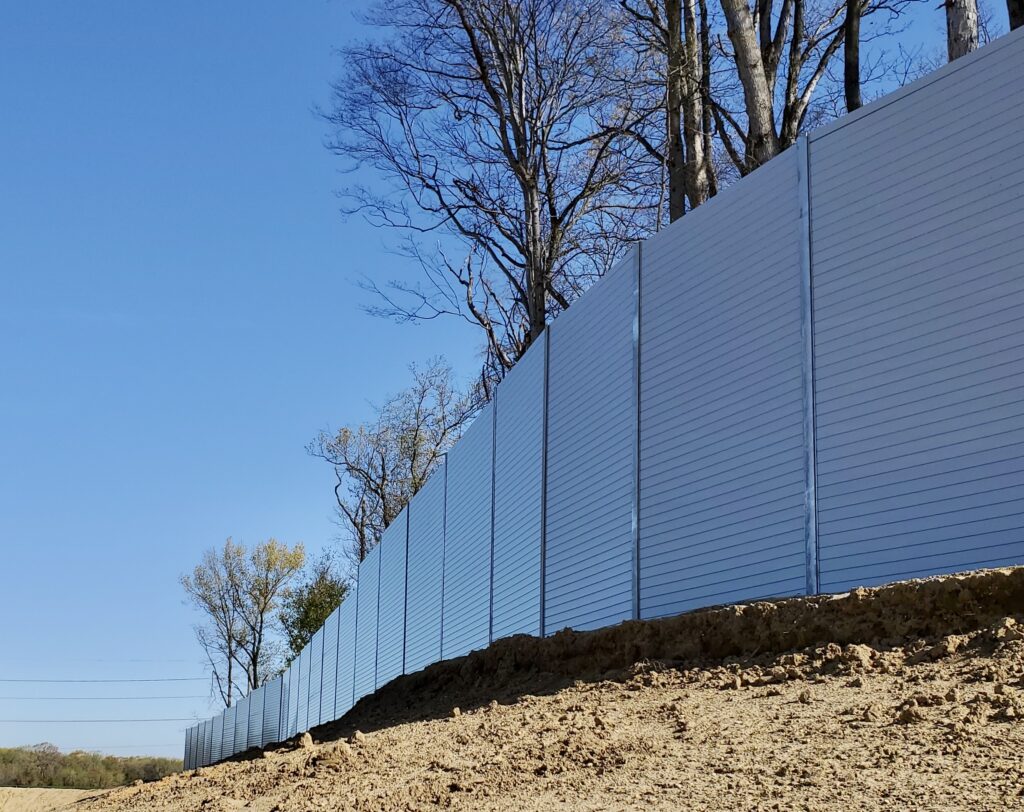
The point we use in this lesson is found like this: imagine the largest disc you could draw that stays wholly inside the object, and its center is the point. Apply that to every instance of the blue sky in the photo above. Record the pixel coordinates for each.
(178, 317)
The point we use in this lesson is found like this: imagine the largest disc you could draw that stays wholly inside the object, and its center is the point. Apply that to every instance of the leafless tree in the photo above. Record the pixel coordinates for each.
(379, 466)
(501, 126)
(961, 27)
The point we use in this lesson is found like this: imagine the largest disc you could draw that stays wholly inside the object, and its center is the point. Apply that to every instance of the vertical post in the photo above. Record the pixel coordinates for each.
(635, 524)
(355, 637)
(444, 549)
(494, 466)
(323, 652)
(337, 663)
(405, 587)
(807, 366)
(376, 630)
(544, 479)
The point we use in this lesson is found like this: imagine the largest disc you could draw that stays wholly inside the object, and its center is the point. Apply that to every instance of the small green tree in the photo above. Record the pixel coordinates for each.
(306, 606)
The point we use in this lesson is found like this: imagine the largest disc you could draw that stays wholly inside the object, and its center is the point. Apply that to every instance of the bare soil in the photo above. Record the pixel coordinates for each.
(14, 799)
(909, 696)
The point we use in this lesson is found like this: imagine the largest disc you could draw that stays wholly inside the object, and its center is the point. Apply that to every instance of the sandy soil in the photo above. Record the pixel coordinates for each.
(40, 800)
(907, 697)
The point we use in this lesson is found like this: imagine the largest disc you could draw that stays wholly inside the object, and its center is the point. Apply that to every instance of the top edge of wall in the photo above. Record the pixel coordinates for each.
(1010, 40)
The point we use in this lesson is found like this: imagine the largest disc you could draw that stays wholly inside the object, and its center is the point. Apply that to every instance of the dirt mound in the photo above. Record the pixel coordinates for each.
(911, 696)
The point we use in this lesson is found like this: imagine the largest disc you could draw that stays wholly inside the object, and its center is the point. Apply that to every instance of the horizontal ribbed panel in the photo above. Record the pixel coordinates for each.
(467, 557)
(228, 748)
(391, 620)
(330, 669)
(591, 430)
(519, 454)
(204, 743)
(917, 220)
(218, 737)
(722, 459)
(294, 677)
(346, 653)
(272, 711)
(366, 625)
(303, 696)
(255, 730)
(241, 724)
(316, 671)
(426, 571)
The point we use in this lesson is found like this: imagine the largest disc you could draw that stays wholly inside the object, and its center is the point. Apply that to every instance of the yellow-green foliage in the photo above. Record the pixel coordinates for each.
(45, 766)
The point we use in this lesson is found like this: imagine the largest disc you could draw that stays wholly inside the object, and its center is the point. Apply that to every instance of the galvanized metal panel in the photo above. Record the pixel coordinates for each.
(208, 742)
(591, 446)
(218, 737)
(255, 729)
(241, 724)
(346, 653)
(467, 557)
(293, 697)
(228, 748)
(316, 670)
(391, 615)
(271, 711)
(426, 574)
(917, 234)
(282, 724)
(305, 665)
(328, 686)
(190, 748)
(721, 422)
(518, 489)
(365, 680)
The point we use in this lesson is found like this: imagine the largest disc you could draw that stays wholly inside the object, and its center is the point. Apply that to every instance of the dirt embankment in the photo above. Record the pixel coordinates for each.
(905, 697)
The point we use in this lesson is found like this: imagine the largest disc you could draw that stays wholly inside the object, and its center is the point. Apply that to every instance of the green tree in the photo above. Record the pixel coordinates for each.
(305, 607)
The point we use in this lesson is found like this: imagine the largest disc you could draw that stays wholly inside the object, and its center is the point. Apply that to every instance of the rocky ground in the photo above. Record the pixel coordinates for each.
(906, 697)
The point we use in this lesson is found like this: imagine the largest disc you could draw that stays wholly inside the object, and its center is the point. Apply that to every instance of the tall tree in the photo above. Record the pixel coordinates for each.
(1015, 8)
(306, 606)
(851, 56)
(380, 465)
(500, 123)
(238, 591)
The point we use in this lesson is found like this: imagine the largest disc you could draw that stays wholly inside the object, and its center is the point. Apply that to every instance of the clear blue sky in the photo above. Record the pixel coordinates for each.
(178, 317)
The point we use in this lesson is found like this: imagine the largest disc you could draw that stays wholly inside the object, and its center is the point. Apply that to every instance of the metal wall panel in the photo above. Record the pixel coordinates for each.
(255, 729)
(591, 447)
(391, 615)
(241, 724)
(467, 552)
(305, 665)
(366, 625)
(282, 725)
(218, 737)
(190, 748)
(228, 748)
(518, 487)
(917, 239)
(330, 670)
(271, 711)
(316, 670)
(346, 653)
(426, 574)
(208, 742)
(722, 467)
(294, 677)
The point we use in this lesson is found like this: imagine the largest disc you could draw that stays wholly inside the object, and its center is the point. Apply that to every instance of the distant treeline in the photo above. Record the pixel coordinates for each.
(44, 765)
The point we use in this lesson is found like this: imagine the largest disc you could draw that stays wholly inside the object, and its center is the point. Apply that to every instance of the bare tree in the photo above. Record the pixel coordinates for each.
(501, 126)
(238, 591)
(379, 466)
(851, 55)
(1015, 8)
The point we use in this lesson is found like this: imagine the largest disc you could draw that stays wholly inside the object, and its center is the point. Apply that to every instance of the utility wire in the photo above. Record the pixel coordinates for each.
(89, 721)
(100, 698)
(161, 679)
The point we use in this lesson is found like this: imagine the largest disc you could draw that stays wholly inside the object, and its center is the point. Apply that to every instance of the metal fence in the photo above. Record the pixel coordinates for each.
(812, 382)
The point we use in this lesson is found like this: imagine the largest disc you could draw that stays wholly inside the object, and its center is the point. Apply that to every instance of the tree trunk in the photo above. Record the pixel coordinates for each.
(693, 110)
(961, 27)
(1015, 8)
(762, 141)
(675, 151)
(851, 56)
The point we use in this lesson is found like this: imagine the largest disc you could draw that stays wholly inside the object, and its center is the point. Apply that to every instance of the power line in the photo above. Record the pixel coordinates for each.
(161, 679)
(101, 698)
(89, 721)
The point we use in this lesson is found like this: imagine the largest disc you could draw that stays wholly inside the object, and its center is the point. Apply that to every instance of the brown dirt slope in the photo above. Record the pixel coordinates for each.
(909, 696)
